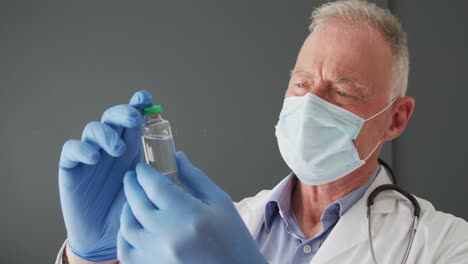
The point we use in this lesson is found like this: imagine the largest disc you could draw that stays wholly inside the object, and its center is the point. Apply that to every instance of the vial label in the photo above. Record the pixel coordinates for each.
(160, 153)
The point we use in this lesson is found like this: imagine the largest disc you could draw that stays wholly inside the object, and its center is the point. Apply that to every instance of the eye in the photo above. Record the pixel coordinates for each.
(301, 85)
(342, 93)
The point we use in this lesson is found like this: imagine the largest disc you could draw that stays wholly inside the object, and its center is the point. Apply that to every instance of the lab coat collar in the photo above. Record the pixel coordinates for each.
(352, 228)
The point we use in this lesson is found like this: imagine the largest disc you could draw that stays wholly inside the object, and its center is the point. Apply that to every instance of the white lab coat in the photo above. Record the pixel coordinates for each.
(440, 239)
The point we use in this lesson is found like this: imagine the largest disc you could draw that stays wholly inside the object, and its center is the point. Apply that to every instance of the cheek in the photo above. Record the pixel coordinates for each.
(292, 91)
(289, 92)
(371, 133)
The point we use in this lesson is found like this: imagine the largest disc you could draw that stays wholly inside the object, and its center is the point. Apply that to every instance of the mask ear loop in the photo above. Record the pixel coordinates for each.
(378, 113)
(373, 150)
(381, 111)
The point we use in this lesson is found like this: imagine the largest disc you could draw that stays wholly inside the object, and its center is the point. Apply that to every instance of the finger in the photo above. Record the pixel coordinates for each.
(103, 136)
(129, 226)
(162, 192)
(142, 207)
(75, 151)
(127, 120)
(196, 182)
(124, 249)
(122, 116)
(141, 100)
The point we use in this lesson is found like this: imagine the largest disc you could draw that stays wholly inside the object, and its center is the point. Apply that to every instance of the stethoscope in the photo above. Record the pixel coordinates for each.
(410, 197)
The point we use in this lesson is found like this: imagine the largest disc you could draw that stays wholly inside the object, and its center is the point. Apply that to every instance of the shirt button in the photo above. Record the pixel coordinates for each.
(307, 249)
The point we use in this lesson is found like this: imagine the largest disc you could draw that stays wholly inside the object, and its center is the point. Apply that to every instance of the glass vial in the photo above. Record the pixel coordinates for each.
(158, 144)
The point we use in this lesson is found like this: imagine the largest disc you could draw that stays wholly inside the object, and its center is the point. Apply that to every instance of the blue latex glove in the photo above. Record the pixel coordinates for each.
(91, 175)
(161, 223)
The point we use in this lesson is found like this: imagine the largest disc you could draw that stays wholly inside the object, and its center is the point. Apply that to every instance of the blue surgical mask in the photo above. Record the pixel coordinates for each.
(316, 138)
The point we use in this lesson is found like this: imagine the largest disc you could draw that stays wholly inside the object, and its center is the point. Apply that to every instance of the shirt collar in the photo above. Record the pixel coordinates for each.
(280, 199)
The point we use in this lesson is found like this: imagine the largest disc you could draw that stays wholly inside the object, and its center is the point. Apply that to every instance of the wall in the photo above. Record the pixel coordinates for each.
(220, 69)
(430, 156)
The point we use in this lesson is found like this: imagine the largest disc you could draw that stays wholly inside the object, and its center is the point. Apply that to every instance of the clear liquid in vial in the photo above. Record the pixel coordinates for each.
(160, 153)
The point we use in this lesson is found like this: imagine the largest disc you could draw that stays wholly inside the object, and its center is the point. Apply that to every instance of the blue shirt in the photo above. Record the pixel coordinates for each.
(281, 239)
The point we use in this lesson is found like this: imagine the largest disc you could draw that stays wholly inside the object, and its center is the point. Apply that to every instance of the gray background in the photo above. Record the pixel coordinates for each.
(220, 68)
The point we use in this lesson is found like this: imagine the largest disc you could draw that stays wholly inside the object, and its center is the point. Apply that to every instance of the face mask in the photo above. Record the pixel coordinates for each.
(316, 138)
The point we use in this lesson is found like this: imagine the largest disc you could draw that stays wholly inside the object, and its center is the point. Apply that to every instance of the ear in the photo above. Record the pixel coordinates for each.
(401, 112)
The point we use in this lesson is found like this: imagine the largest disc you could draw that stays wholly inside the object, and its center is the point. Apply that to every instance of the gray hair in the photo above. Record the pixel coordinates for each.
(359, 11)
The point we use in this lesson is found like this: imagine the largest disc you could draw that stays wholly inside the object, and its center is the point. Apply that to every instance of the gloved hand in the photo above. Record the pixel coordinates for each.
(161, 223)
(90, 178)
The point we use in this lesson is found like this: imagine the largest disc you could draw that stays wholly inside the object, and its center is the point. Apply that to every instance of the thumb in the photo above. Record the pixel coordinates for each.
(141, 99)
(195, 181)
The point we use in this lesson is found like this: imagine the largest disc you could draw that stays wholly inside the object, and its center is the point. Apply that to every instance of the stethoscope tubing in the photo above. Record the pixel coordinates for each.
(409, 196)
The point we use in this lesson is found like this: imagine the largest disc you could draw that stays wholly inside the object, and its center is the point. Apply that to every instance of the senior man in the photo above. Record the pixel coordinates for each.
(345, 98)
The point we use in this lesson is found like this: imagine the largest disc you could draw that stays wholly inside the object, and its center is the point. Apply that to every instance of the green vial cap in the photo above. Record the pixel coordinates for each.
(153, 110)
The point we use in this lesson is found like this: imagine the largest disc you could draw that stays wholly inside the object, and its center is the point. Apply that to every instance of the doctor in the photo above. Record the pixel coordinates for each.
(345, 98)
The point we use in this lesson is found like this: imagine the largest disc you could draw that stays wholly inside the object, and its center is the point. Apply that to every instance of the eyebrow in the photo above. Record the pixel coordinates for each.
(351, 82)
(341, 80)
(292, 72)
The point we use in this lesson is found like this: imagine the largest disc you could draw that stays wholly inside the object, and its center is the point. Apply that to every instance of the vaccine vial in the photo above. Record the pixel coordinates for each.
(158, 144)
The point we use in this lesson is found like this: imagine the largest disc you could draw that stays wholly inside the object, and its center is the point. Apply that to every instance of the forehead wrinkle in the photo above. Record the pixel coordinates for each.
(373, 37)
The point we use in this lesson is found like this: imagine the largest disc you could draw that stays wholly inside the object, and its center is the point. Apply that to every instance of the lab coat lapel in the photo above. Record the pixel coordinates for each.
(352, 228)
